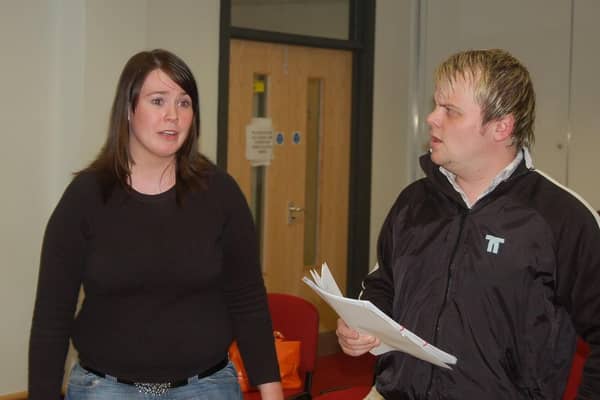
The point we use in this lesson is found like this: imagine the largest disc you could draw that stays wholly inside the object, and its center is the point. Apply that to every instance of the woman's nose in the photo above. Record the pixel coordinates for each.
(172, 113)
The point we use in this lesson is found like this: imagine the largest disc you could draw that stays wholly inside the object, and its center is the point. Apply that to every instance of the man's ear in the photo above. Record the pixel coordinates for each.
(504, 127)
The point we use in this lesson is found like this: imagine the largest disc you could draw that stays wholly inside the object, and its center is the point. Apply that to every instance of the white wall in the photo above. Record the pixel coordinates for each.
(113, 31)
(583, 164)
(328, 18)
(26, 109)
(60, 63)
(537, 32)
(391, 127)
(191, 30)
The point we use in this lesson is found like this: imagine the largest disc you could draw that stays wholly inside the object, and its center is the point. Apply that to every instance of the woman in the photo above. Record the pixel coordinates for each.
(165, 248)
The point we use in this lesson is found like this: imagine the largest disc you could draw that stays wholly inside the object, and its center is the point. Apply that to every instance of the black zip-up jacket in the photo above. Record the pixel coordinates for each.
(504, 286)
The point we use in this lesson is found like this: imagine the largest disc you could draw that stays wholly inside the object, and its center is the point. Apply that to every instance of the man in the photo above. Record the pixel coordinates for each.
(486, 258)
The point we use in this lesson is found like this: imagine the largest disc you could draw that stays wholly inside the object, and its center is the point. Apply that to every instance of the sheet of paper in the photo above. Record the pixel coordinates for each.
(367, 318)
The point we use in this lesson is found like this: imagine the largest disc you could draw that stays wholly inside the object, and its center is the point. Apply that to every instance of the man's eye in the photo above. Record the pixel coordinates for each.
(157, 101)
(450, 111)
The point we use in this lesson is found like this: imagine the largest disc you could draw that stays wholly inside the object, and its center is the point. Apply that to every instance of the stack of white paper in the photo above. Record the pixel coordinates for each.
(363, 316)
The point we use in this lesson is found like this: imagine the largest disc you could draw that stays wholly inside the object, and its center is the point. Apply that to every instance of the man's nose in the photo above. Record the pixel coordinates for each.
(433, 119)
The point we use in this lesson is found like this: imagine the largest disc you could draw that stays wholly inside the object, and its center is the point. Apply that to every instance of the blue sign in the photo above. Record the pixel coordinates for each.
(279, 138)
(296, 137)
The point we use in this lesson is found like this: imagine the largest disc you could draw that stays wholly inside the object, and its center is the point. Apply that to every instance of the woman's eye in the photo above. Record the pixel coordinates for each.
(185, 103)
(157, 101)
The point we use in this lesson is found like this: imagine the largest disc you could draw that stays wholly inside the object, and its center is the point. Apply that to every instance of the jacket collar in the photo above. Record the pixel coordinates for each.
(443, 179)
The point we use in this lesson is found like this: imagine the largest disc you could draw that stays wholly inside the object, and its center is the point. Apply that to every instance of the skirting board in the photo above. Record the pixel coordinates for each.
(14, 396)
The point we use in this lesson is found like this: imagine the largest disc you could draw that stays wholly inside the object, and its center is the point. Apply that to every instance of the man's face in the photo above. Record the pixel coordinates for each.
(458, 140)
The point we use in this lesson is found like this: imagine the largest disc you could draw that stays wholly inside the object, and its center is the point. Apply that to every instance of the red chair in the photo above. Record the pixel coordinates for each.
(296, 319)
(351, 393)
(581, 354)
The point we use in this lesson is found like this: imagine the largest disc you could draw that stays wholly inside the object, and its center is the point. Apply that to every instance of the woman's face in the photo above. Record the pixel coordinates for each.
(161, 121)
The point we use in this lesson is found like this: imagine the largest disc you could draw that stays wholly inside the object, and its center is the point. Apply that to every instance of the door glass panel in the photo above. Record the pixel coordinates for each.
(313, 157)
(259, 110)
(322, 18)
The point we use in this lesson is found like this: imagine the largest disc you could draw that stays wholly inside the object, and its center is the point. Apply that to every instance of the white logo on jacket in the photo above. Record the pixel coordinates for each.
(493, 243)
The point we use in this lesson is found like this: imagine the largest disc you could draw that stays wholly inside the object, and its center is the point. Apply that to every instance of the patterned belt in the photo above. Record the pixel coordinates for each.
(161, 388)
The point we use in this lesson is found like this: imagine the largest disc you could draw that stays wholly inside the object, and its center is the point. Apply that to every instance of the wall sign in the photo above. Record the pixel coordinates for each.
(279, 138)
(259, 141)
(296, 137)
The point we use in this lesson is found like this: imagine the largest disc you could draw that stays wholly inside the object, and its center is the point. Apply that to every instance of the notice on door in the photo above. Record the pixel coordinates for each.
(259, 141)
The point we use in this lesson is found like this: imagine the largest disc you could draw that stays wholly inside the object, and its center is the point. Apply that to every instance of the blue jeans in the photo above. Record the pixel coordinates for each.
(222, 385)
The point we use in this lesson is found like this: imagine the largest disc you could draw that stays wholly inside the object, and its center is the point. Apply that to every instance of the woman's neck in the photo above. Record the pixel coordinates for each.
(153, 178)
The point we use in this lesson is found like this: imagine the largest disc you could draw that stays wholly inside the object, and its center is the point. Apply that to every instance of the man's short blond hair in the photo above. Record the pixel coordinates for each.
(501, 86)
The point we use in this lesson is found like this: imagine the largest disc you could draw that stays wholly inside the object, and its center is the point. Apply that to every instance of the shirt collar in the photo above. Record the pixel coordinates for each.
(502, 176)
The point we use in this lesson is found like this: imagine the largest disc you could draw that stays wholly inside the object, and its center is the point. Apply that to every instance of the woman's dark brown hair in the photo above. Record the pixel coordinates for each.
(113, 162)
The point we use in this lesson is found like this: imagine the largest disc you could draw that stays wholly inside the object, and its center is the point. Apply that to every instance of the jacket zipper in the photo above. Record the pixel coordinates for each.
(446, 294)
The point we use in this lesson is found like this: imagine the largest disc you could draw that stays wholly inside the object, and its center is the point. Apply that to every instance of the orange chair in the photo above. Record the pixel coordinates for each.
(296, 319)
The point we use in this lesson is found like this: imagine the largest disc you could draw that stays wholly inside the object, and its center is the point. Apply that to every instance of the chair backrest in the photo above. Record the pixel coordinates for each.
(297, 319)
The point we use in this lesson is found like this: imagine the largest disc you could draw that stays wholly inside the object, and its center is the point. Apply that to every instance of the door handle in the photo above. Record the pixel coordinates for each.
(292, 212)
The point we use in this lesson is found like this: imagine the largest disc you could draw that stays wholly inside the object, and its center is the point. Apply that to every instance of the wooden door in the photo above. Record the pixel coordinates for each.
(300, 200)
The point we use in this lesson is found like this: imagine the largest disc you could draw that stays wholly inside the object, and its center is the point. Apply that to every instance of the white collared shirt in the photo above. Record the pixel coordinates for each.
(502, 176)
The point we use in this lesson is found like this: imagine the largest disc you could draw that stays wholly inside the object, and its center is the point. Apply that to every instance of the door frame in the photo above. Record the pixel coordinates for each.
(362, 45)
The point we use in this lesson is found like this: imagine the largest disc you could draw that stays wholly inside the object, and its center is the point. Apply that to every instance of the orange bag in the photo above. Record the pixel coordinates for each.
(288, 357)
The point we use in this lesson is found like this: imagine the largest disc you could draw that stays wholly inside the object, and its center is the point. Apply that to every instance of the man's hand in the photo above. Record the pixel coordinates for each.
(352, 342)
